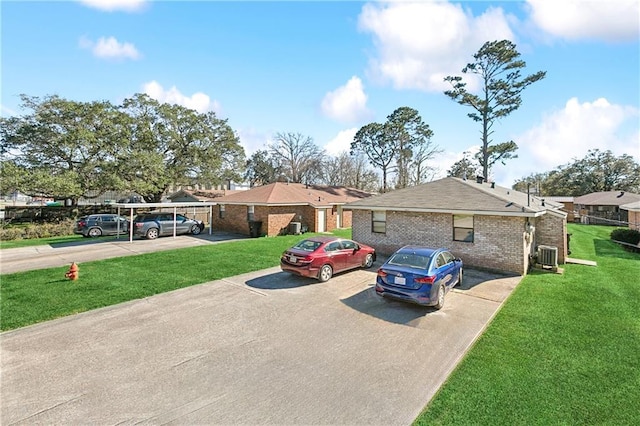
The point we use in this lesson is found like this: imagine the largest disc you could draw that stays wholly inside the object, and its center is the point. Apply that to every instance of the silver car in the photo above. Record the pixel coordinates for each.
(157, 224)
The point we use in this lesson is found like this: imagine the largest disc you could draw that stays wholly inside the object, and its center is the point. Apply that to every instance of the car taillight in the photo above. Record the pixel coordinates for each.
(139, 224)
(81, 224)
(381, 273)
(425, 280)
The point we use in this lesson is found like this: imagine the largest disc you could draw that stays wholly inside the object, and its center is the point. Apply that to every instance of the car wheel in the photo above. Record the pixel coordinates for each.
(152, 233)
(368, 261)
(459, 278)
(195, 229)
(441, 293)
(95, 232)
(325, 273)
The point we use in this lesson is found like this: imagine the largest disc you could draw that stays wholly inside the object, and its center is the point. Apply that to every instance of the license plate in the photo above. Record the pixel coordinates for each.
(292, 259)
(399, 280)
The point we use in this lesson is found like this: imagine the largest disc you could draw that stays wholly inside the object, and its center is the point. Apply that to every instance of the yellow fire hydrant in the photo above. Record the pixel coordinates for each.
(72, 273)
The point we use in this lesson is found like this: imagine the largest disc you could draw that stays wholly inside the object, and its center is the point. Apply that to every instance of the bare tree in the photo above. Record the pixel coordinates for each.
(297, 156)
(350, 171)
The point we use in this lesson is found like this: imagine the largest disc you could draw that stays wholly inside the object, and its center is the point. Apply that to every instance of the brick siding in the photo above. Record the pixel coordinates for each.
(275, 220)
(500, 243)
(551, 230)
(634, 220)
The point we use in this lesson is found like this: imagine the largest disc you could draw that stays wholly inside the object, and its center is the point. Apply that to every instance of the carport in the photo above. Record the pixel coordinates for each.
(174, 206)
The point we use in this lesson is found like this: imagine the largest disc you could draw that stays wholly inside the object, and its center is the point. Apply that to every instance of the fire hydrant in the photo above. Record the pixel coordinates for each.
(72, 273)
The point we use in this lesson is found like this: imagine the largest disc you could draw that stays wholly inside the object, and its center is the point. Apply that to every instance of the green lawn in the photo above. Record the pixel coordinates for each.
(564, 349)
(40, 241)
(40, 295)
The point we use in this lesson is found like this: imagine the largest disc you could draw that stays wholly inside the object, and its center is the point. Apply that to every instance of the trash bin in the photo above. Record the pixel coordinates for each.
(254, 228)
(295, 228)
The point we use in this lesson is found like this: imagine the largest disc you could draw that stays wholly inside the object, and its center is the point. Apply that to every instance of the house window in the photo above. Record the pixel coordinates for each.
(222, 210)
(379, 222)
(463, 228)
(250, 213)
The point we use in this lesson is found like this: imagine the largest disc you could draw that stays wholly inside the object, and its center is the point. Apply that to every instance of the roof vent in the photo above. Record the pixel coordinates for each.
(493, 185)
(621, 194)
(479, 179)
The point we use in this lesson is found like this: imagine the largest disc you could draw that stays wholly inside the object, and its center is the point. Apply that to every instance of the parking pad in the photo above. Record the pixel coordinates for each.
(265, 347)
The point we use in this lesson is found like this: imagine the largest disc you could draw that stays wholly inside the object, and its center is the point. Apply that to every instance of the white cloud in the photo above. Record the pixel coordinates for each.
(253, 140)
(341, 143)
(418, 44)
(568, 134)
(110, 48)
(198, 101)
(346, 104)
(579, 19)
(116, 5)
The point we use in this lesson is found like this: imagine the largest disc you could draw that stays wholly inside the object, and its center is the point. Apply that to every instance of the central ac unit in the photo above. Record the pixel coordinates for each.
(548, 256)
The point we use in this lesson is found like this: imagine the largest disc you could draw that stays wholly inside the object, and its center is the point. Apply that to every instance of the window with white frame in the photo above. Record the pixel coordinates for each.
(463, 228)
(222, 211)
(379, 222)
(250, 212)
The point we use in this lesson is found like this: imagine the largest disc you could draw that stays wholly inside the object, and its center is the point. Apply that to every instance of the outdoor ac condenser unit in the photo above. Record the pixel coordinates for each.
(548, 256)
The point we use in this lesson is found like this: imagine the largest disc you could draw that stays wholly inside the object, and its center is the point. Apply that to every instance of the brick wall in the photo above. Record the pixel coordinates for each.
(235, 219)
(634, 220)
(551, 230)
(499, 242)
(275, 219)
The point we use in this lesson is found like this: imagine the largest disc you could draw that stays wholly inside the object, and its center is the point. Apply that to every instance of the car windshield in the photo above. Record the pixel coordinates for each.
(307, 245)
(410, 259)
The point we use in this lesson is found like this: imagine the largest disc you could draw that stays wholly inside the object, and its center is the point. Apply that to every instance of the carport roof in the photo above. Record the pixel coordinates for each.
(454, 195)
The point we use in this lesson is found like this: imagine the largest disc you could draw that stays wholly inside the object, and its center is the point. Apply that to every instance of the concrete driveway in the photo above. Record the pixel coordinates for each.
(260, 348)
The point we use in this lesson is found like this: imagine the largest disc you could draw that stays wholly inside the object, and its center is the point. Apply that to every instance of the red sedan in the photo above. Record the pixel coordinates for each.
(321, 257)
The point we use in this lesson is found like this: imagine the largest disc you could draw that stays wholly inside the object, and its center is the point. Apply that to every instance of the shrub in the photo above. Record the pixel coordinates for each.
(38, 230)
(625, 235)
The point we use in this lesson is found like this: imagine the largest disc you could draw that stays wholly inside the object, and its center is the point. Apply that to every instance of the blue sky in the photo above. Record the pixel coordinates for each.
(326, 68)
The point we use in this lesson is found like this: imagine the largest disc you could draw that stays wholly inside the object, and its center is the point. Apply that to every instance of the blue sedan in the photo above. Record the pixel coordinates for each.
(419, 275)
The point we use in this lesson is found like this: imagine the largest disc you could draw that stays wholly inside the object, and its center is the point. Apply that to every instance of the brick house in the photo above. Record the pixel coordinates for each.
(486, 225)
(633, 214)
(277, 205)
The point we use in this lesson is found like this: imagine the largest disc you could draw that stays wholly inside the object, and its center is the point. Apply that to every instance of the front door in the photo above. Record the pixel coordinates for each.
(322, 219)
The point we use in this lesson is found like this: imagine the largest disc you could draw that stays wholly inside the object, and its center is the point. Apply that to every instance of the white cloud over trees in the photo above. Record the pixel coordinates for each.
(418, 44)
(346, 104)
(569, 133)
(198, 101)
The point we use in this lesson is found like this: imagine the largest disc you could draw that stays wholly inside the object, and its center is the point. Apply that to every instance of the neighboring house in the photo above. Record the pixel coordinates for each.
(276, 206)
(568, 206)
(487, 226)
(633, 214)
(186, 196)
(604, 207)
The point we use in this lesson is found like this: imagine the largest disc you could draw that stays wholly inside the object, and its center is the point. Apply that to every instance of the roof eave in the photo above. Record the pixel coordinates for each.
(451, 211)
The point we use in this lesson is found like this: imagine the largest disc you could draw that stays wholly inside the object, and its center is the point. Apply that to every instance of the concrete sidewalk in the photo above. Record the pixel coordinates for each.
(85, 250)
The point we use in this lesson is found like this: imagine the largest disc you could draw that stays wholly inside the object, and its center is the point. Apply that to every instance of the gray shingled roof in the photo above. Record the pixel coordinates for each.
(453, 195)
(607, 198)
(634, 207)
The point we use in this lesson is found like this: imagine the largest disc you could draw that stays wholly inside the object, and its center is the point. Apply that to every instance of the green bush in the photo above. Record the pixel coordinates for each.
(37, 230)
(625, 235)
